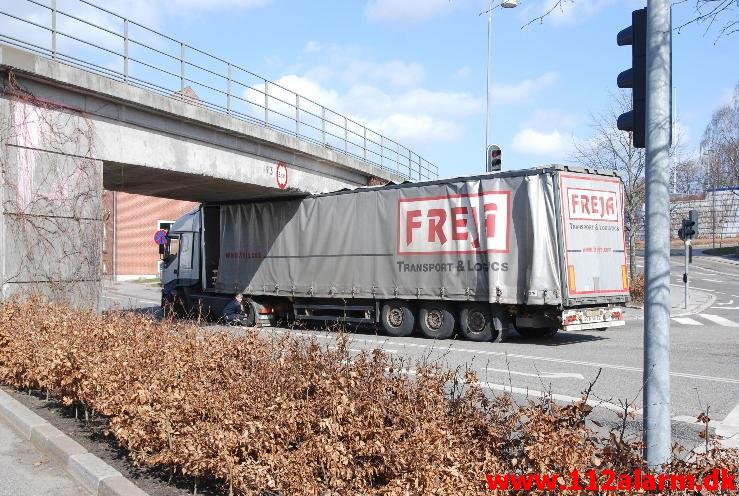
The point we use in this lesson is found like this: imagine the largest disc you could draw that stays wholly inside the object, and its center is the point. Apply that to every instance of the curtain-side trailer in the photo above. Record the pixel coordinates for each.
(539, 250)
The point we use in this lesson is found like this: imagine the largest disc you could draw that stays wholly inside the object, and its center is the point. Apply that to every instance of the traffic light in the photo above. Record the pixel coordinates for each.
(494, 159)
(690, 226)
(635, 78)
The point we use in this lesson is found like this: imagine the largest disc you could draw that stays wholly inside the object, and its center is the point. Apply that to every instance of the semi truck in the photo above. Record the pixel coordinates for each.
(536, 251)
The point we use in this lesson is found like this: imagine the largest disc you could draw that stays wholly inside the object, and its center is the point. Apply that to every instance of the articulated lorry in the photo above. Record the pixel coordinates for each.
(536, 250)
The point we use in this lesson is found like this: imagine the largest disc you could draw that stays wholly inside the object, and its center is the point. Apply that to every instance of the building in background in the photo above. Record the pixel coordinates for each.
(129, 250)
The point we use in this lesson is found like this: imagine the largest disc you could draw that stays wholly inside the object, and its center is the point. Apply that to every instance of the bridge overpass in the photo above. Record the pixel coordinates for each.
(71, 127)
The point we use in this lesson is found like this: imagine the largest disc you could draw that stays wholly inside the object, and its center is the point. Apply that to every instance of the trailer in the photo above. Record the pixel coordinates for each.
(537, 250)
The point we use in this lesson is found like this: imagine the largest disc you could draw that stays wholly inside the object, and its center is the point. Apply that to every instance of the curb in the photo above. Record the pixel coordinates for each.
(700, 308)
(86, 469)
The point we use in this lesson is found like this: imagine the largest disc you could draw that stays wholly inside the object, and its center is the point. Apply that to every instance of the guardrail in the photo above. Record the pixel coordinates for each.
(122, 49)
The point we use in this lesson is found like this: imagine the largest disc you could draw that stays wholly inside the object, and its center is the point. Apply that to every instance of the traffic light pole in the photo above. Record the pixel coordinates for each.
(657, 419)
(685, 274)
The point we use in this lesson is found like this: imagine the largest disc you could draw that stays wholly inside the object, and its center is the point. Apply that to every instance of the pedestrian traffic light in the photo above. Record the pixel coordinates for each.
(689, 227)
(635, 78)
(494, 159)
(691, 224)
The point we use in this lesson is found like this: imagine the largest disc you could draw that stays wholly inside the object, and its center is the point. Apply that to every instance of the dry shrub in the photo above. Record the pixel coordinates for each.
(637, 288)
(288, 417)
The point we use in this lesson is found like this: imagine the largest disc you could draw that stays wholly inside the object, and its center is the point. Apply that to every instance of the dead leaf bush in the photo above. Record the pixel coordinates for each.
(288, 416)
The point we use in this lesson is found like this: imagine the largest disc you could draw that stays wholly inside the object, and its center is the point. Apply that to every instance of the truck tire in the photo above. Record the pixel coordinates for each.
(436, 320)
(250, 312)
(397, 318)
(501, 325)
(476, 322)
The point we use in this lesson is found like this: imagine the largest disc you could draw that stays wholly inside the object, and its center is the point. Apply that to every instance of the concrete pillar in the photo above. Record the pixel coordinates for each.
(51, 225)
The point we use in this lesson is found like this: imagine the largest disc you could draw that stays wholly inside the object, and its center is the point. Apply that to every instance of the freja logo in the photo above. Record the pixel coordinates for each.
(592, 204)
(472, 223)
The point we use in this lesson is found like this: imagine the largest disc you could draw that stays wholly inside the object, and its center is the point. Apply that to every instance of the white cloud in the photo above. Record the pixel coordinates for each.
(574, 11)
(413, 116)
(406, 10)
(348, 66)
(521, 91)
(532, 142)
(545, 118)
(463, 72)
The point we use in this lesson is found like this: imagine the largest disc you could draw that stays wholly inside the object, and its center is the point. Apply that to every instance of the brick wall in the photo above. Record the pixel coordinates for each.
(135, 218)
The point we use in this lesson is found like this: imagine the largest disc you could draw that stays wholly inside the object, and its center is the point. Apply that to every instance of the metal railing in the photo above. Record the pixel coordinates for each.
(160, 63)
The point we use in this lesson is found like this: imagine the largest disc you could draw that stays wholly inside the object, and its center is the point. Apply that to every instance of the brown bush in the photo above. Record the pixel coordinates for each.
(637, 288)
(289, 417)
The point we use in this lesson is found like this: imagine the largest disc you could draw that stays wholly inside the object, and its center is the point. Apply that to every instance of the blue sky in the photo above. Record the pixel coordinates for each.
(415, 69)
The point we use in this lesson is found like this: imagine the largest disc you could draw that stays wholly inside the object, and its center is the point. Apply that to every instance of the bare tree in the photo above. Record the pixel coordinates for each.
(611, 148)
(720, 14)
(720, 145)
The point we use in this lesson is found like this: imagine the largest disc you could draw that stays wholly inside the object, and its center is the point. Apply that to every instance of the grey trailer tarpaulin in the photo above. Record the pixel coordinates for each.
(487, 238)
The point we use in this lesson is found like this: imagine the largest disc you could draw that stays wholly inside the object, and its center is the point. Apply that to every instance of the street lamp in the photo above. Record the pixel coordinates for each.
(506, 4)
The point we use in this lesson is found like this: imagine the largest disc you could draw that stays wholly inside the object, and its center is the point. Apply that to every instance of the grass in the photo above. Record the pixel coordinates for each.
(724, 250)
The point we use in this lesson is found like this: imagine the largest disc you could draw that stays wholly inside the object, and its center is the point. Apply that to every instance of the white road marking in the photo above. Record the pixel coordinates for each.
(732, 418)
(554, 396)
(730, 302)
(543, 375)
(708, 280)
(524, 357)
(129, 298)
(719, 320)
(686, 321)
(725, 308)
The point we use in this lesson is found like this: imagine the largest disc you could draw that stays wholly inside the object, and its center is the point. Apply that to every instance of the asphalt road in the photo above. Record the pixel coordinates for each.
(704, 368)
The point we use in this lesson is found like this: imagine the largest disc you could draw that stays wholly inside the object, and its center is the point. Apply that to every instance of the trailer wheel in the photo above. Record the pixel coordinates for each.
(476, 322)
(397, 318)
(436, 320)
(250, 312)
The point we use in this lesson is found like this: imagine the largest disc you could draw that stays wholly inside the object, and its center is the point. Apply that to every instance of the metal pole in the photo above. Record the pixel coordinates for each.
(365, 143)
(323, 125)
(297, 114)
(228, 90)
(657, 421)
(266, 102)
(685, 275)
(53, 29)
(125, 49)
(346, 137)
(487, 78)
(182, 67)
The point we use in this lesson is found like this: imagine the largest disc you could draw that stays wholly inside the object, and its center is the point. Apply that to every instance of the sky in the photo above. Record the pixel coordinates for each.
(415, 70)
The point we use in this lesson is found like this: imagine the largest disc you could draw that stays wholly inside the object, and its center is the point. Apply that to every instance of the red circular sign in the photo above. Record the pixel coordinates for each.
(160, 237)
(281, 175)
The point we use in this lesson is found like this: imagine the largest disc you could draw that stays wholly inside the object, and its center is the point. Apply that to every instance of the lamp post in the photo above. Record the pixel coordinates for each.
(506, 4)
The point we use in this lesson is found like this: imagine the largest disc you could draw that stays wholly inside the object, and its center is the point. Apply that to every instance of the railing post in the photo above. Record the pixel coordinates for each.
(382, 150)
(297, 115)
(182, 67)
(323, 125)
(365, 142)
(266, 102)
(228, 90)
(53, 29)
(409, 166)
(125, 50)
(346, 137)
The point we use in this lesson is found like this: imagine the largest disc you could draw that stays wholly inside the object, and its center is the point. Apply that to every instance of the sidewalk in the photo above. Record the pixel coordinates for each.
(698, 301)
(24, 471)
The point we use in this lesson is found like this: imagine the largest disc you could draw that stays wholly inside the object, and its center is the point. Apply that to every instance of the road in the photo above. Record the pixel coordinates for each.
(705, 354)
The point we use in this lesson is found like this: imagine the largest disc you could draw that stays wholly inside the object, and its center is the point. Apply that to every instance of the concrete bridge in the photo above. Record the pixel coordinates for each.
(69, 132)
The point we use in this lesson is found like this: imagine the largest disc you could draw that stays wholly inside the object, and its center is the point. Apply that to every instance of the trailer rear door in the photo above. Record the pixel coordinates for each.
(593, 236)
